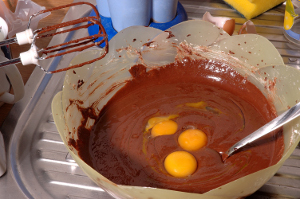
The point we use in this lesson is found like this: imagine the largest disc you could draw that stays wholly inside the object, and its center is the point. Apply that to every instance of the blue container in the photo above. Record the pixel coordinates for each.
(103, 8)
(111, 32)
(164, 11)
(126, 13)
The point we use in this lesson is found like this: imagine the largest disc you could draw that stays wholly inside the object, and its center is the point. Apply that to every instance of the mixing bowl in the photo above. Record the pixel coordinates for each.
(92, 86)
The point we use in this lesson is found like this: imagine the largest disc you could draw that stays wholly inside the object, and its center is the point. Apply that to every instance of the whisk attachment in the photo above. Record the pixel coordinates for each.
(72, 46)
(34, 54)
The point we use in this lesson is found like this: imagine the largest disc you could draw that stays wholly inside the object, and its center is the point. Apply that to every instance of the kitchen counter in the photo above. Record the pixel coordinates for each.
(52, 19)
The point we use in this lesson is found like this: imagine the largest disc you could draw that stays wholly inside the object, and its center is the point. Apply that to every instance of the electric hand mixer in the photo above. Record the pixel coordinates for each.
(35, 55)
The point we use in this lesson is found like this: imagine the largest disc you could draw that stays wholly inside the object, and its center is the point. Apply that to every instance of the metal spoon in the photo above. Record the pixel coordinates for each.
(2, 156)
(279, 121)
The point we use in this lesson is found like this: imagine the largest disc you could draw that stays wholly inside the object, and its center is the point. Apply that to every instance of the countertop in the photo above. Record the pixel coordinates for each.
(52, 19)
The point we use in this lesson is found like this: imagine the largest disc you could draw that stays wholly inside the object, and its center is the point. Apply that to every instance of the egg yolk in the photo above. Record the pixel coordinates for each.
(200, 105)
(167, 127)
(155, 120)
(180, 164)
(192, 139)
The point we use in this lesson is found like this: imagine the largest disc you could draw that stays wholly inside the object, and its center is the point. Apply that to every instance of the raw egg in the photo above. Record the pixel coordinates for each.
(204, 106)
(155, 120)
(167, 127)
(200, 105)
(192, 139)
(180, 164)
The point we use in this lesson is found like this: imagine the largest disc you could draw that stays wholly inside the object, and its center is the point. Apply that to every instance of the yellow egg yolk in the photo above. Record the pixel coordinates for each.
(167, 127)
(180, 164)
(200, 105)
(155, 120)
(192, 139)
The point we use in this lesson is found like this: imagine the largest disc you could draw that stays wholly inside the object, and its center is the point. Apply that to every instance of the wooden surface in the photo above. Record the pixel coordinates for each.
(52, 19)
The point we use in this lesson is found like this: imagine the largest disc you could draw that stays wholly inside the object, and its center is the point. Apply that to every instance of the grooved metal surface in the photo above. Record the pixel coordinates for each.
(39, 165)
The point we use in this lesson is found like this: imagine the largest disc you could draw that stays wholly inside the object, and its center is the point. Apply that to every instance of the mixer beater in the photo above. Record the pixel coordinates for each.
(34, 55)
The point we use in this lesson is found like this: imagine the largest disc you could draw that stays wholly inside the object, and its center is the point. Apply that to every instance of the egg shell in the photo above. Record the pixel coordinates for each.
(229, 26)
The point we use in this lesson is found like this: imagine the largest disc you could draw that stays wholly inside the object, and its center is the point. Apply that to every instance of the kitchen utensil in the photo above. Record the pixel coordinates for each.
(9, 76)
(279, 121)
(103, 78)
(34, 54)
(17, 21)
(2, 156)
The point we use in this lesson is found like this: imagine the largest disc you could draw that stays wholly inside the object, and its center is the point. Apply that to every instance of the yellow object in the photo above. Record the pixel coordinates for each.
(192, 139)
(167, 127)
(201, 105)
(289, 15)
(155, 120)
(253, 8)
(180, 164)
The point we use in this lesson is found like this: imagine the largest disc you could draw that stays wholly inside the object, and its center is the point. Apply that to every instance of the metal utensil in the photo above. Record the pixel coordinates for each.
(279, 121)
(2, 156)
(34, 54)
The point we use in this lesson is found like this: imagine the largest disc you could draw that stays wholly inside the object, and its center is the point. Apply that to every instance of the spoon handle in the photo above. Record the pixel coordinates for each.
(279, 121)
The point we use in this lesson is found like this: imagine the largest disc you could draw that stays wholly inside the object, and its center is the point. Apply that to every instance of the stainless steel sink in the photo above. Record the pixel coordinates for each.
(39, 165)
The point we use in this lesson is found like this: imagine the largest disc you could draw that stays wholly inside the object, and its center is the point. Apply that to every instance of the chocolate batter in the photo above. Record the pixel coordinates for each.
(234, 109)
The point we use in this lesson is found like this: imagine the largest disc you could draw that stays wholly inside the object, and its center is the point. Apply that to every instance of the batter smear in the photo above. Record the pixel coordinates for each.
(195, 94)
